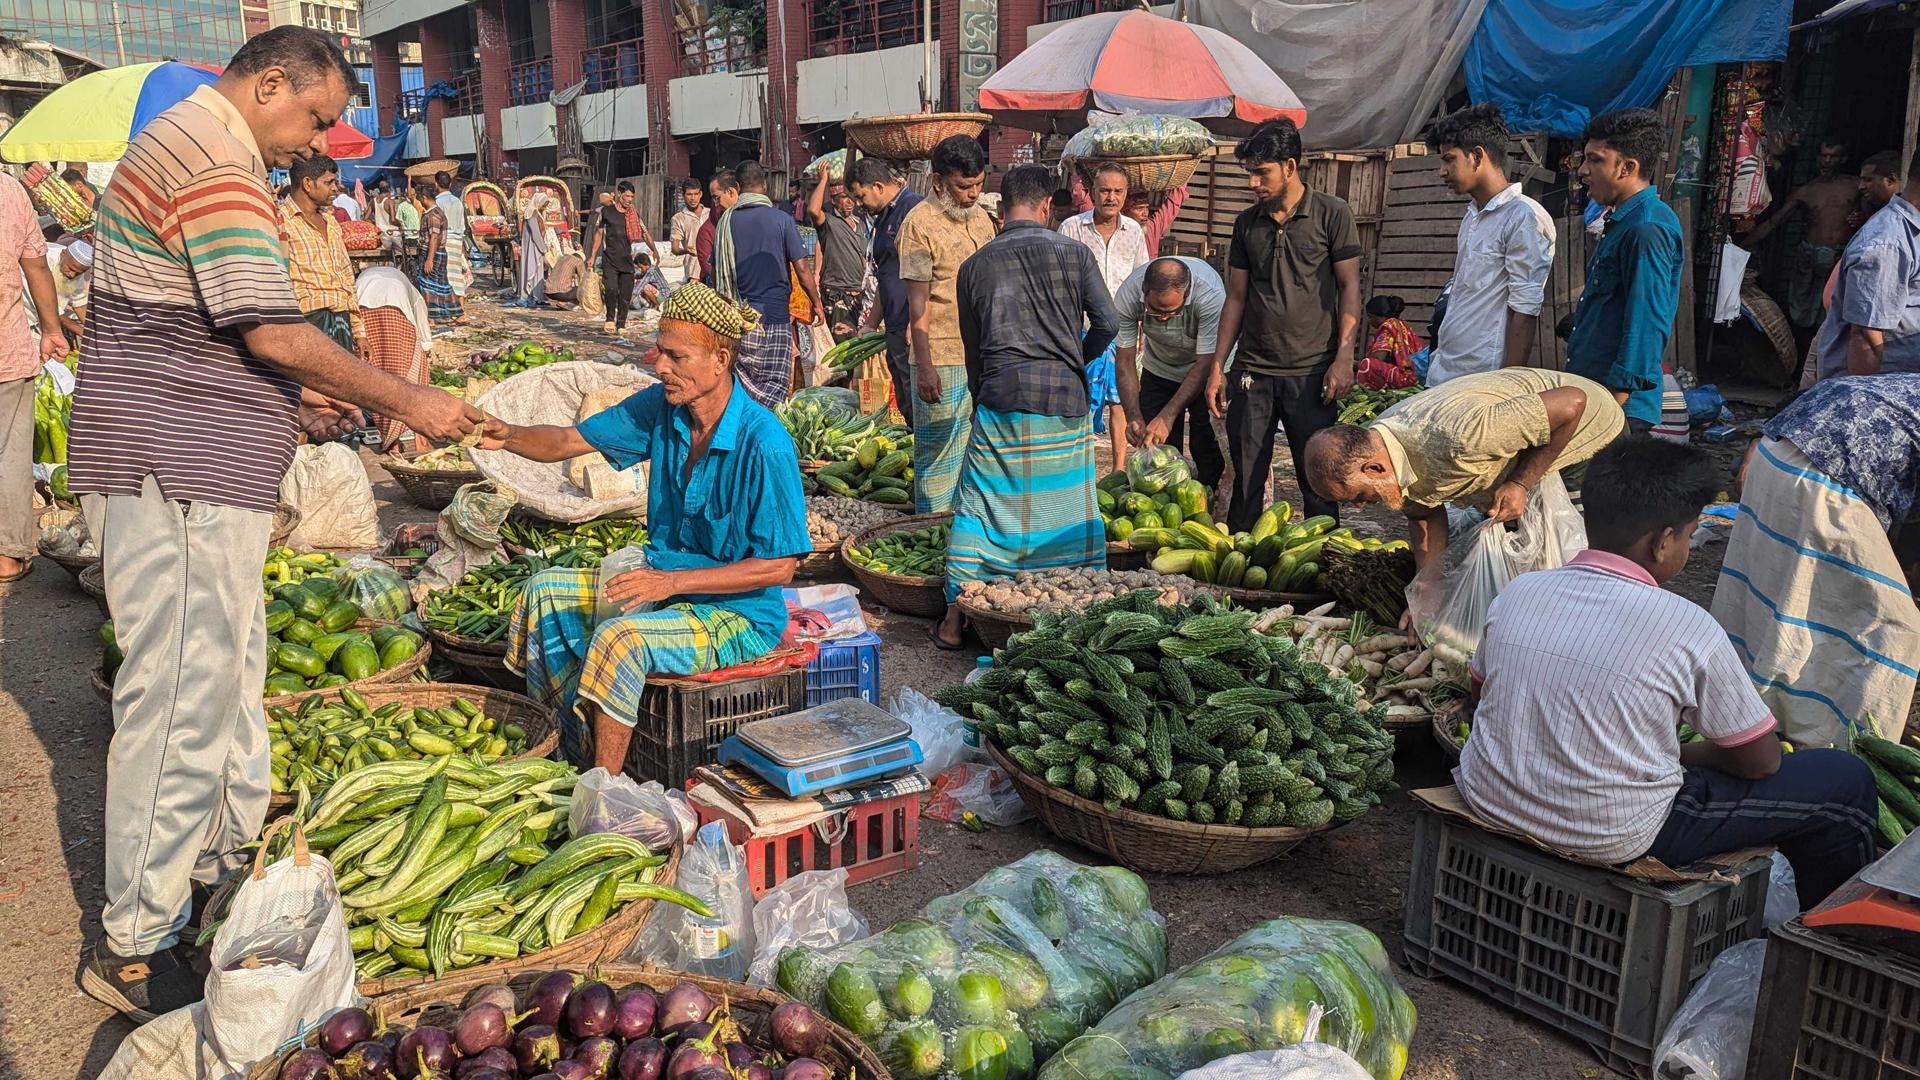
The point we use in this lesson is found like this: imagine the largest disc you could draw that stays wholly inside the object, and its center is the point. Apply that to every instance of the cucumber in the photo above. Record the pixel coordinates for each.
(300, 660)
(854, 1000)
(337, 616)
(574, 854)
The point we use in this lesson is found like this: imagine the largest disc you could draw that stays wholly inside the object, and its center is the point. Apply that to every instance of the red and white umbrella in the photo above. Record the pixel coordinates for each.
(1138, 62)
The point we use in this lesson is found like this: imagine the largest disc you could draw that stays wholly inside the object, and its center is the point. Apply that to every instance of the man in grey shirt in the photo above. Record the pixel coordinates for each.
(1873, 323)
(1169, 326)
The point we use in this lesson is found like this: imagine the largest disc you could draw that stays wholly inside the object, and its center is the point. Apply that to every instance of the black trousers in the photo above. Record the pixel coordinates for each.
(616, 288)
(1255, 405)
(1155, 394)
(900, 370)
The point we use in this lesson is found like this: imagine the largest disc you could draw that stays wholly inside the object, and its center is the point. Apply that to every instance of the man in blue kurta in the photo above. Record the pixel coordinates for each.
(1626, 311)
(726, 522)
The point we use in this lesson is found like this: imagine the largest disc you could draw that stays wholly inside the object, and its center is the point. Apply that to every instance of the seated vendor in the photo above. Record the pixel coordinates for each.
(1585, 673)
(726, 521)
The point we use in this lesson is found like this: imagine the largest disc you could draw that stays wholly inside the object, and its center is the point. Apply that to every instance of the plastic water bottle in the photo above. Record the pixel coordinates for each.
(721, 945)
(981, 664)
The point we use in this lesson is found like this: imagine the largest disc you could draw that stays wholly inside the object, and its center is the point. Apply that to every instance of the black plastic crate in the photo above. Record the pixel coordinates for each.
(1602, 957)
(1834, 1010)
(682, 724)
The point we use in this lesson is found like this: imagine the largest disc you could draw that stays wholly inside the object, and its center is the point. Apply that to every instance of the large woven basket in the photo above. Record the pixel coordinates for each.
(1265, 598)
(285, 517)
(430, 489)
(72, 564)
(911, 136)
(1147, 842)
(1127, 557)
(93, 582)
(925, 597)
(994, 628)
(398, 673)
(1445, 726)
(1156, 173)
(821, 562)
(483, 661)
(102, 686)
(438, 1002)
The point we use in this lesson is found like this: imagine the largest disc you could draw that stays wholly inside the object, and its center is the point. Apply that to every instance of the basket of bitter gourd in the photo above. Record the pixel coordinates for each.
(1177, 739)
(903, 563)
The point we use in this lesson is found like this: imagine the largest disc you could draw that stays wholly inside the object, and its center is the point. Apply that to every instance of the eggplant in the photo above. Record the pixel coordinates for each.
(497, 994)
(547, 1001)
(570, 1069)
(425, 1049)
(589, 1010)
(694, 1032)
(710, 1072)
(692, 1057)
(392, 1036)
(598, 1054)
(758, 1070)
(537, 1046)
(498, 1057)
(633, 1013)
(684, 1004)
(369, 1060)
(642, 1059)
(805, 1068)
(796, 1030)
(481, 1027)
(339, 1032)
(740, 1055)
(487, 1073)
(314, 1064)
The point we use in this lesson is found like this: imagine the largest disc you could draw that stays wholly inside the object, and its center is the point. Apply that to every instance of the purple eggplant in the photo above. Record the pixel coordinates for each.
(710, 1072)
(343, 1029)
(392, 1036)
(498, 994)
(498, 1057)
(642, 1059)
(488, 1072)
(796, 1030)
(590, 1010)
(684, 1004)
(570, 1069)
(537, 1046)
(597, 1053)
(693, 1032)
(425, 1049)
(547, 1001)
(481, 1027)
(633, 1013)
(805, 1068)
(312, 1064)
(758, 1070)
(692, 1057)
(369, 1060)
(740, 1055)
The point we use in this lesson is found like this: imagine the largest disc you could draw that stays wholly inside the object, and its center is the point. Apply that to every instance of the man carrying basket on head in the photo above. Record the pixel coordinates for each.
(726, 522)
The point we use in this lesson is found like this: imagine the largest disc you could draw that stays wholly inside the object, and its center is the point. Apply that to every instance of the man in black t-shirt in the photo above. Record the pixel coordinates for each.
(844, 235)
(614, 248)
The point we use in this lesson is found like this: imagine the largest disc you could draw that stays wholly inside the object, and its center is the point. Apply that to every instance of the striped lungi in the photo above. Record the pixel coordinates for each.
(337, 325)
(553, 641)
(764, 362)
(442, 303)
(459, 270)
(940, 441)
(1025, 499)
(393, 346)
(1815, 600)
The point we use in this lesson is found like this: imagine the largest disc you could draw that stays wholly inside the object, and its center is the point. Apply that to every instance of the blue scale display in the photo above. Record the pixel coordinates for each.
(832, 745)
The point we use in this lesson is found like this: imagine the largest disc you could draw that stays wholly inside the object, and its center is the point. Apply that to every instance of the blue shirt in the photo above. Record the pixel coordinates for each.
(743, 500)
(1863, 431)
(1625, 317)
(765, 242)
(1878, 288)
(886, 260)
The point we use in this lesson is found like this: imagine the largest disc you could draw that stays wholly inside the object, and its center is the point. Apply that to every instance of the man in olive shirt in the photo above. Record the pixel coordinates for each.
(1293, 308)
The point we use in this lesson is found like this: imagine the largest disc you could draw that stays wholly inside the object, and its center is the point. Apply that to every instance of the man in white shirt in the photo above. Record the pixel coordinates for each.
(685, 230)
(1503, 255)
(72, 268)
(347, 205)
(1119, 247)
(1170, 325)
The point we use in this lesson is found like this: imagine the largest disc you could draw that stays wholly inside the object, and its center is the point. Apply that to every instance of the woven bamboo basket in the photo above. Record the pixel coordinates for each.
(821, 562)
(925, 597)
(420, 534)
(1156, 173)
(285, 517)
(102, 686)
(72, 564)
(398, 673)
(93, 582)
(911, 136)
(1127, 557)
(430, 489)
(483, 661)
(438, 1002)
(1147, 842)
(993, 628)
(1445, 727)
(1261, 599)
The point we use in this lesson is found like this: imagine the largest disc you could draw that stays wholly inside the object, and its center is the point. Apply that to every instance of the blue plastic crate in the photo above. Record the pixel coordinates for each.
(849, 667)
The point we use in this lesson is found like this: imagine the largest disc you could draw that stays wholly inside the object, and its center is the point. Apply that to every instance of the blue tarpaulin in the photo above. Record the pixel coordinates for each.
(1552, 64)
(384, 161)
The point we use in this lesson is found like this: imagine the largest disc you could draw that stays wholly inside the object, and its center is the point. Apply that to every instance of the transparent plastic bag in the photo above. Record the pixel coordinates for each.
(985, 790)
(1483, 559)
(1307, 1061)
(631, 557)
(1783, 894)
(721, 945)
(1153, 469)
(810, 909)
(1707, 1038)
(842, 405)
(940, 732)
(989, 980)
(377, 588)
(1259, 991)
(610, 802)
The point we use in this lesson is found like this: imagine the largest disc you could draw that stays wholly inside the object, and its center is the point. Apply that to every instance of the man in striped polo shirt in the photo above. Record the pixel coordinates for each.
(1586, 672)
(191, 390)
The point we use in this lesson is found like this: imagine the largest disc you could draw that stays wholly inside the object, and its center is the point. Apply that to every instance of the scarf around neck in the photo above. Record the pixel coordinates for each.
(725, 281)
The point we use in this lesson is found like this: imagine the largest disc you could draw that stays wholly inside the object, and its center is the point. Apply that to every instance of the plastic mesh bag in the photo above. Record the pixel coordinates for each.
(377, 588)
(835, 162)
(810, 908)
(994, 978)
(1257, 992)
(1141, 135)
(1153, 469)
(1485, 558)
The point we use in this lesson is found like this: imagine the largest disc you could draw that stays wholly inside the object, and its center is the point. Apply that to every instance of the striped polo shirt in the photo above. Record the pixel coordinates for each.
(186, 253)
(1588, 671)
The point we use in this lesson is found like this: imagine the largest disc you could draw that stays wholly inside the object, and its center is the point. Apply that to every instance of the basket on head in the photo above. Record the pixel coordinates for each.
(437, 165)
(925, 597)
(911, 136)
(1160, 172)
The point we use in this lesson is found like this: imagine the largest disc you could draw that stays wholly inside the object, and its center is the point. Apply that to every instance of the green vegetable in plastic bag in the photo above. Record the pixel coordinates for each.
(992, 979)
(377, 588)
(835, 162)
(1254, 993)
(1144, 135)
(1153, 469)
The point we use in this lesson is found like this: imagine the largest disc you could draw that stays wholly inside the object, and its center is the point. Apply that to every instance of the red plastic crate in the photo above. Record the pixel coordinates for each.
(874, 840)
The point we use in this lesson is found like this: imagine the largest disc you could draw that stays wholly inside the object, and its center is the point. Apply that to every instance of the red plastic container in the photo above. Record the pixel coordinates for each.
(872, 841)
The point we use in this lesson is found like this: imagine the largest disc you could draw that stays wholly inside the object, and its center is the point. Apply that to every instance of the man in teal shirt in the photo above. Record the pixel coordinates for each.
(1626, 311)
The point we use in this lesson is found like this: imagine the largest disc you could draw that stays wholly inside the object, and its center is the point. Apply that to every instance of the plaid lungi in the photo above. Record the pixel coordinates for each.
(764, 362)
(337, 325)
(442, 304)
(1025, 499)
(393, 346)
(940, 441)
(552, 640)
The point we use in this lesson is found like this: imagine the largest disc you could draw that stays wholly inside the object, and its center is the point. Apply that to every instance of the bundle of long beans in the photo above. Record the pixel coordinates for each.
(581, 545)
(481, 603)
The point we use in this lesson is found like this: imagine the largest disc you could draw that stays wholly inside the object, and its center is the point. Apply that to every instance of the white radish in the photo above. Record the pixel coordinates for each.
(1400, 661)
(1321, 610)
(1380, 643)
(1406, 710)
(1373, 668)
(1407, 686)
(1342, 656)
(1418, 664)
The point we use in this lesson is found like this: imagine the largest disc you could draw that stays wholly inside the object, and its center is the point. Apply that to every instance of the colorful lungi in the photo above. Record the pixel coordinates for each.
(940, 441)
(1025, 499)
(442, 304)
(337, 325)
(554, 642)
(764, 362)
(459, 269)
(1814, 598)
(393, 346)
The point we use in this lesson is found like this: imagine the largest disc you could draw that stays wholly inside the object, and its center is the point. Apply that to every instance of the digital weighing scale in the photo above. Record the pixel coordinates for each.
(828, 746)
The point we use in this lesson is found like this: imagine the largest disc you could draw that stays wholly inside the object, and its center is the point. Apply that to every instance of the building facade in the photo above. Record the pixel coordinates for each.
(114, 32)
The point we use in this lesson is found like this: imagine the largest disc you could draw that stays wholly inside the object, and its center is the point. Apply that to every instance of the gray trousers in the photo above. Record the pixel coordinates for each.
(187, 771)
(16, 468)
